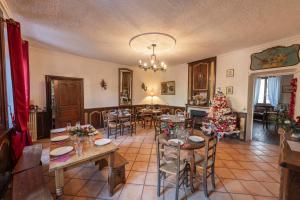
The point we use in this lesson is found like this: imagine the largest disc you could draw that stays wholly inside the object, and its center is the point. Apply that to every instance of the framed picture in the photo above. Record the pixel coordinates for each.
(168, 88)
(286, 89)
(230, 73)
(229, 90)
(200, 76)
(279, 56)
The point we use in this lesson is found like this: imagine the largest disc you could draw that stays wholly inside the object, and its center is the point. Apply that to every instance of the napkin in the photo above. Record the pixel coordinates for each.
(62, 158)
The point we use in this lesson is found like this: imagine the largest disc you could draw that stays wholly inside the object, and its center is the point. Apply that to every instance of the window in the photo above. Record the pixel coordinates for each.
(263, 97)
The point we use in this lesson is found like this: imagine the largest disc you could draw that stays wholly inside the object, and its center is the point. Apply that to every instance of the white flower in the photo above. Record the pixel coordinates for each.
(287, 121)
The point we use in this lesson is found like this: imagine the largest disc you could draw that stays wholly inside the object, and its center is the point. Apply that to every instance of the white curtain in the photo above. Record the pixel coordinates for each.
(257, 90)
(274, 90)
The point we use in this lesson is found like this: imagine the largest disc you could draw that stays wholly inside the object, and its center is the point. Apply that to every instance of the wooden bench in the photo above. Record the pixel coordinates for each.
(28, 179)
(30, 185)
(118, 169)
(30, 158)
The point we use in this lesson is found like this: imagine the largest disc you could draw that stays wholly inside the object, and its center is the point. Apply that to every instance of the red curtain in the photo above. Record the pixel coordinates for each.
(19, 61)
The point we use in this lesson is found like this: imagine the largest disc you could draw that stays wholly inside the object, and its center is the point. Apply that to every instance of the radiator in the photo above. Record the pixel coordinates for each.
(32, 126)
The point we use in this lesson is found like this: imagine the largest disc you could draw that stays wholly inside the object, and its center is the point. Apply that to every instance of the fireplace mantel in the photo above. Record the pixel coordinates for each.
(190, 107)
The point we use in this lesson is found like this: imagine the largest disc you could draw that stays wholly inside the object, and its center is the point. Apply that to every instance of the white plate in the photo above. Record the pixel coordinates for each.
(61, 151)
(176, 141)
(196, 138)
(58, 130)
(101, 142)
(59, 138)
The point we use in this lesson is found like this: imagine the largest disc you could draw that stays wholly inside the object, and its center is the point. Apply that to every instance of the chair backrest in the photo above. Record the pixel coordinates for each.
(210, 150)
(189, 124)
(104, 115)
(167, 152)
(178, 111)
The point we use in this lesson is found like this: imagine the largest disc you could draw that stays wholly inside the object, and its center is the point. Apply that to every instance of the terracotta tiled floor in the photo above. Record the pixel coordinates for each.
(244, 171)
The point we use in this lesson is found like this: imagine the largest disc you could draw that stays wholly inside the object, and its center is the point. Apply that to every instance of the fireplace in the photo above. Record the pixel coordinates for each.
(198, 113)
(198, 116)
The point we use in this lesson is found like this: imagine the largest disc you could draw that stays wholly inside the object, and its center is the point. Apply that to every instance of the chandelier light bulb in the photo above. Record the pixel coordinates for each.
(140, 61)
(145, 64)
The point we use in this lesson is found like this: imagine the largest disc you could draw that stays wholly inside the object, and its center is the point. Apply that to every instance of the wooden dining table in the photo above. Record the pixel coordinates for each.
(91, 153)
(188, 146)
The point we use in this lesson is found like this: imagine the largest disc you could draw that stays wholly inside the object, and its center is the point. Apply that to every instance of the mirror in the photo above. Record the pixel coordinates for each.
(125, 86)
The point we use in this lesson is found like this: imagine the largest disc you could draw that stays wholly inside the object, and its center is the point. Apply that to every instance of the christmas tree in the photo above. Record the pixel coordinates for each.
(220, 118)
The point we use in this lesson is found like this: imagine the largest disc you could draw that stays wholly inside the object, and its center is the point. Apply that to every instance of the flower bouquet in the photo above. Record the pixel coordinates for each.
(83, 131)
(290, 125)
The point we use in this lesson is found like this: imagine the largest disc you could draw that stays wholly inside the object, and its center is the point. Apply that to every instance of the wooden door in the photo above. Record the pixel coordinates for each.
(68, 101)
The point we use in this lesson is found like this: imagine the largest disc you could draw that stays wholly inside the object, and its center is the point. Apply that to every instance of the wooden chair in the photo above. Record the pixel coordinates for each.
(189, 124)
(138, 114)
(130, 124)
(104, 119)
(207, 162)
(157, 127)
(178, 111)
(146, 118)
(168, 164)
(113, 125)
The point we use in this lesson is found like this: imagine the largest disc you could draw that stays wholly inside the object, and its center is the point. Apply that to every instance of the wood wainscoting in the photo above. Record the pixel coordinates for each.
(93, 116)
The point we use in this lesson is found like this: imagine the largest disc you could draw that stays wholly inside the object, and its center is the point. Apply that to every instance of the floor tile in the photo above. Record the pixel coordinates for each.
(74, 186)
(255, 188)
(143, 157)
(149, 193)
(91, 189)
(131, 192)
(224, 173)
(234, 186)
(261, 176)
(151, 179)
(273, 188)
(242, 174)
(220, 196)
(140, 166)
(135, 177)
(242, 197)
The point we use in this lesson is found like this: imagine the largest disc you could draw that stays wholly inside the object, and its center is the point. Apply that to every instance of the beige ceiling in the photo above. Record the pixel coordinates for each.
(101, 29)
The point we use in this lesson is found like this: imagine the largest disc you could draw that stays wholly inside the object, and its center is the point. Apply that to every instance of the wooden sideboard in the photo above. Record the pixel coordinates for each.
(290, 172)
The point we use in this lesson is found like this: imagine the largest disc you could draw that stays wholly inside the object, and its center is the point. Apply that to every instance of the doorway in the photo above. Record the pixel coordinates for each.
(270, 100)
(64, 100)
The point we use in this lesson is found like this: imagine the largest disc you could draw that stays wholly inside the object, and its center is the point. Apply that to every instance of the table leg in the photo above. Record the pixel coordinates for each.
(192, 163)
(59, 181)
(110, 173)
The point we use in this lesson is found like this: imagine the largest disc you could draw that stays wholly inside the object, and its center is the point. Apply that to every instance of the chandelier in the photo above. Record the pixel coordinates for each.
(153, 64)
(149, 44)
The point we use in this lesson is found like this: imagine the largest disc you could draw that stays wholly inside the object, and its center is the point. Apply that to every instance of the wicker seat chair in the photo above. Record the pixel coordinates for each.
(170, 164)
(130, 124)
(113, 125)
(206, 163)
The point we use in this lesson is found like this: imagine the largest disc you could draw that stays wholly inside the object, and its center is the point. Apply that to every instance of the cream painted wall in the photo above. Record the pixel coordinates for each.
(152, 80)
(240, 62)
(47, 62)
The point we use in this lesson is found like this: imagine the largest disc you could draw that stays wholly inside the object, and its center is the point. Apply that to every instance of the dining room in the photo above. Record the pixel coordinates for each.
(139, 100)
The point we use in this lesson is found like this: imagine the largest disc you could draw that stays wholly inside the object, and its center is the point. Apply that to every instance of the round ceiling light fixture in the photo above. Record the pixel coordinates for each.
(152, 43)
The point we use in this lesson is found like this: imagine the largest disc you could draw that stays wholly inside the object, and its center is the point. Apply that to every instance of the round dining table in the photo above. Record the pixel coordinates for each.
(188, 146)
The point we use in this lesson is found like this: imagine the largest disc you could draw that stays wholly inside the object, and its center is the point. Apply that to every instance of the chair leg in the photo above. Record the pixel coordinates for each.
(213, 182)
(205, 183)
(177, 187)
(158, 184)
